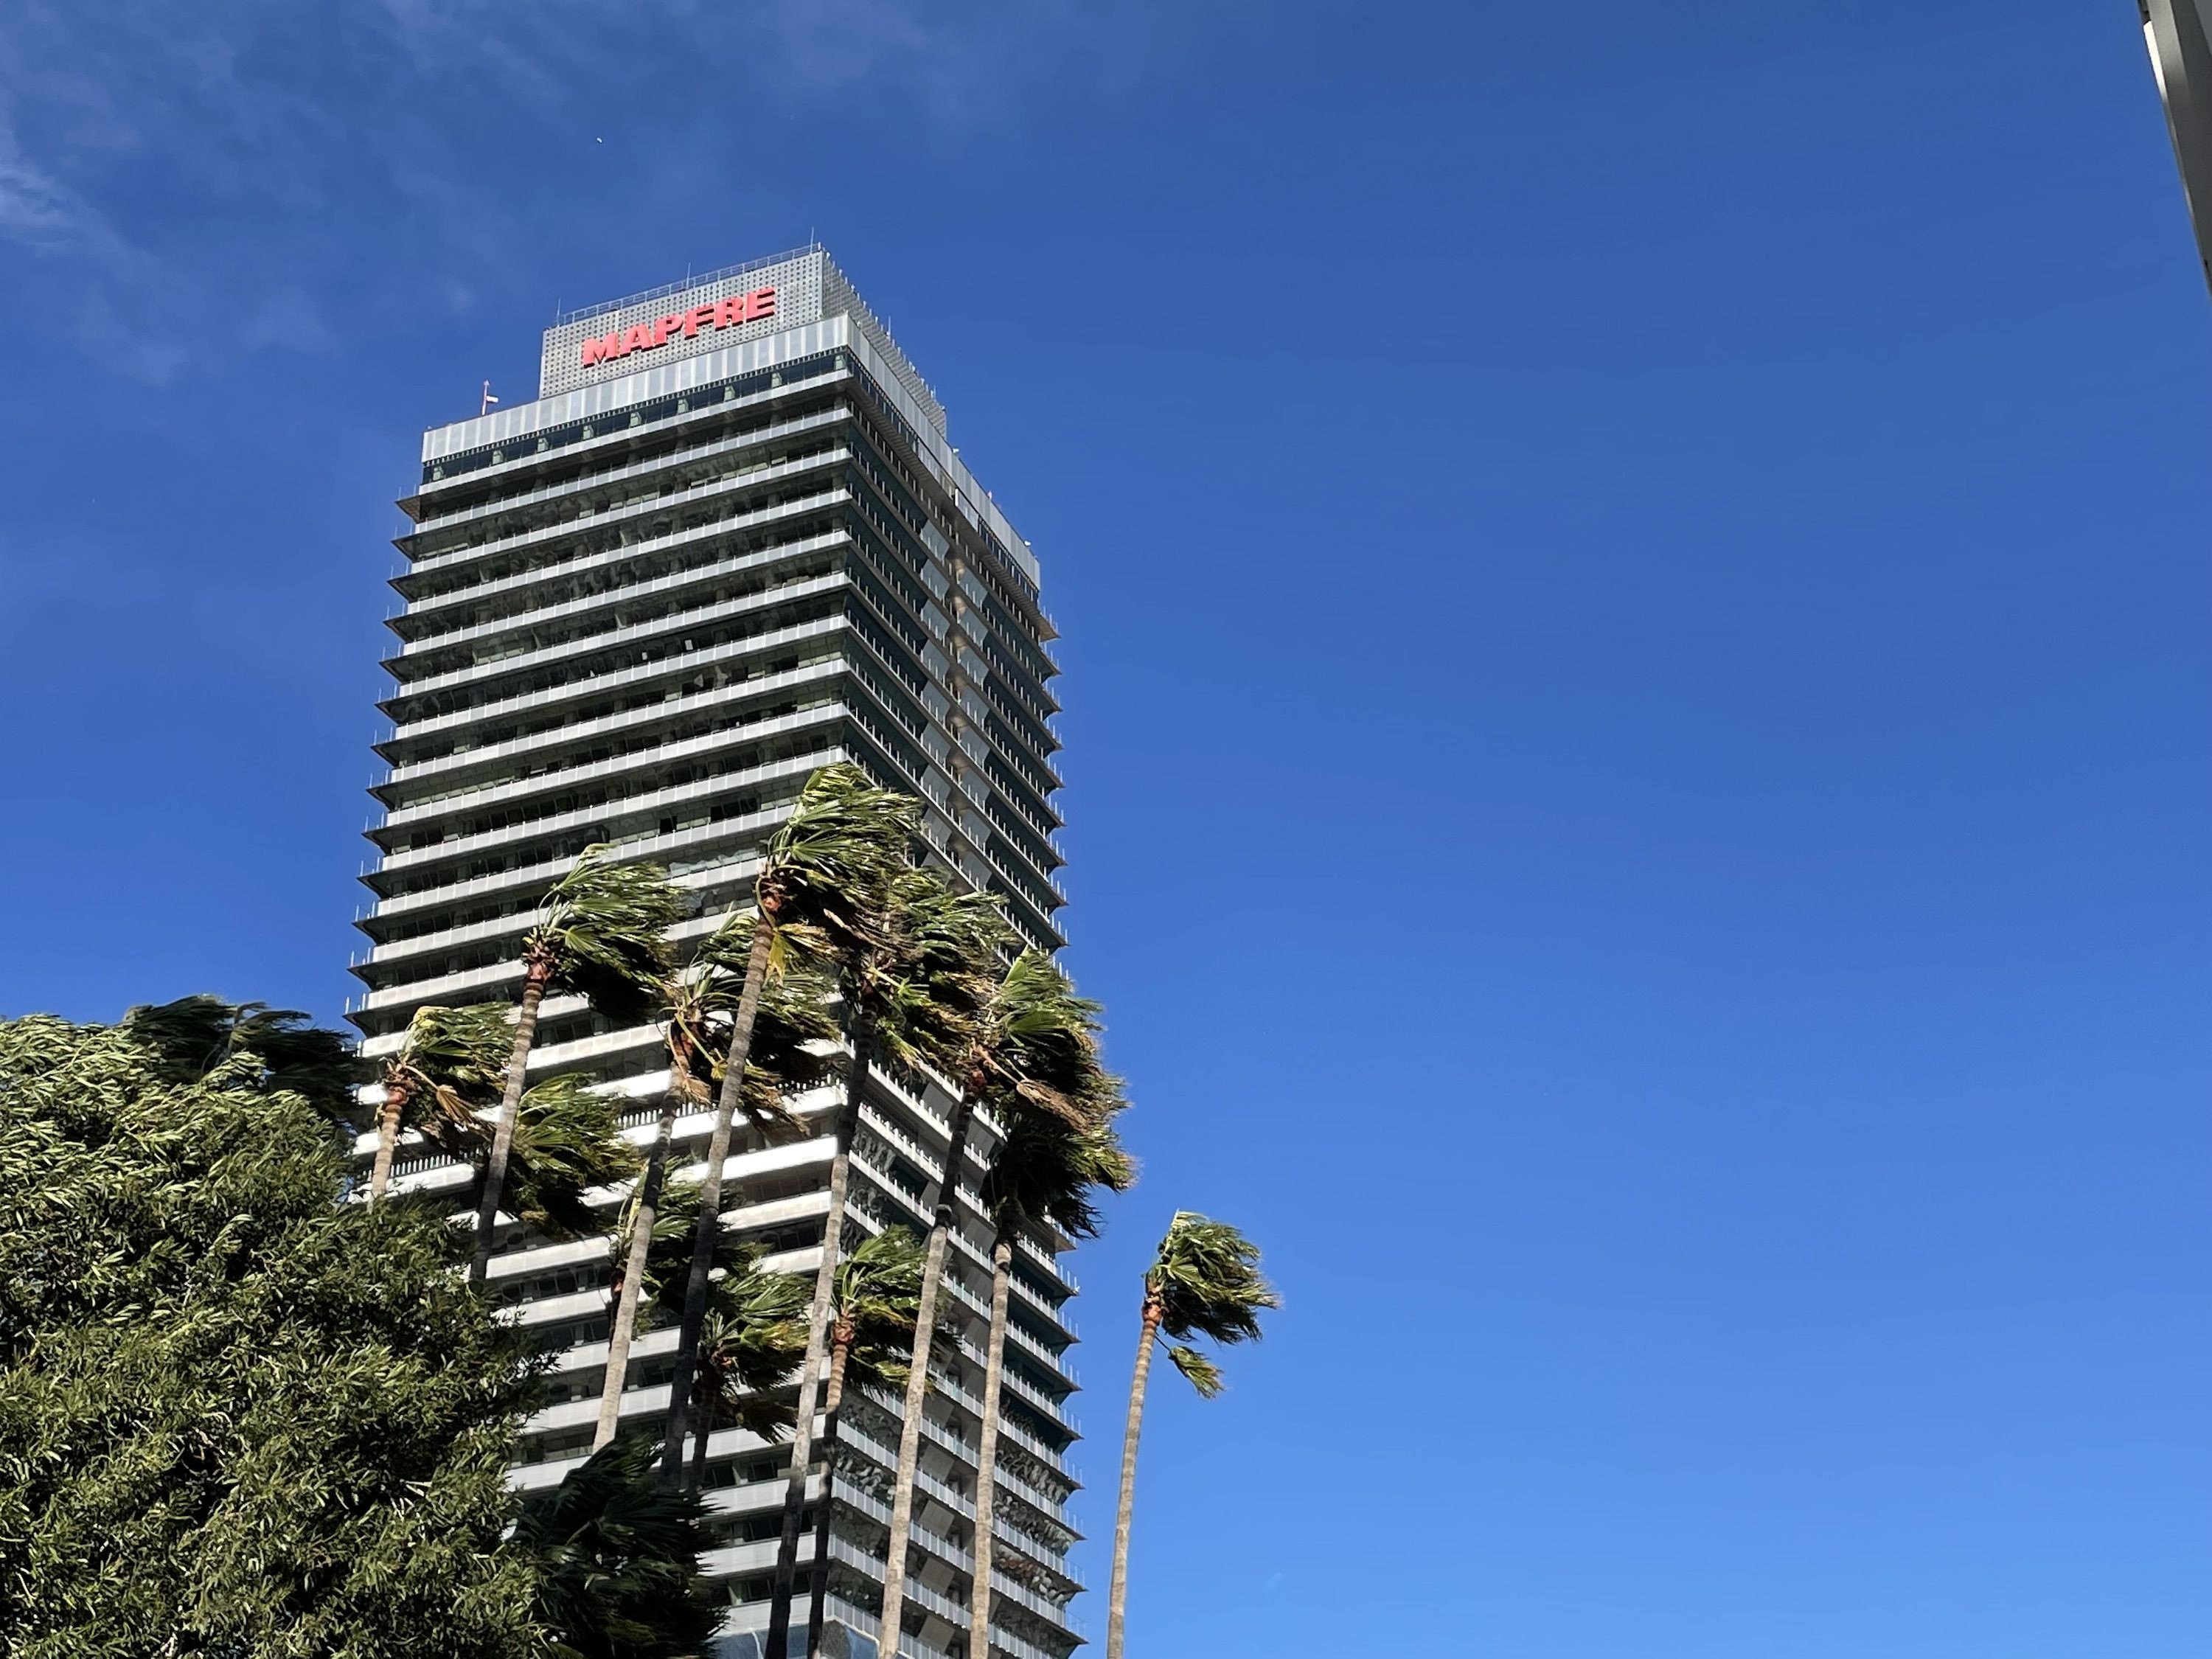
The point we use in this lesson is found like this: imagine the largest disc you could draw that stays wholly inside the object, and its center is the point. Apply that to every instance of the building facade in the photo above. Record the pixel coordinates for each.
(2179, 35)
(726, 544)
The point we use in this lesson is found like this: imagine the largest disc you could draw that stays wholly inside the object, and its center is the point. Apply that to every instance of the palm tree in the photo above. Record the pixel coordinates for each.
(566, 1139)
(598, 933)
(903, 999)
(1022, 1031)
(701, 1001)
(1204, 1281)
(823, 887)
(756, 1332)
(617, 1559)
(1045, 1173)
(446, 1068)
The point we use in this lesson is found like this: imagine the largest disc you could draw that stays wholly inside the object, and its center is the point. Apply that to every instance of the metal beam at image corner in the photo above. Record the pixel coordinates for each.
(2180, 46)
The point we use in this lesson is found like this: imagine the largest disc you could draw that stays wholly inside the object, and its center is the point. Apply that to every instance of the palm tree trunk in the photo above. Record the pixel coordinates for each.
(702, 1432)
(623, 1330)
(387, 1137)
(917, 1380)
(832, 1398)
(709, 1234)
(1117, 1597)
(810, 1374)
(510, 1104)
(987, 1455)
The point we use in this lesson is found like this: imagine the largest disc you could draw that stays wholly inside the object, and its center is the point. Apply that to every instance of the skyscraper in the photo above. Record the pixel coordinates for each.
(2178, 33)
(728, 542)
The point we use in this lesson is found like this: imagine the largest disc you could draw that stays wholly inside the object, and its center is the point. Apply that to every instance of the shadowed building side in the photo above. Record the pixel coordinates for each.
(2178, 33)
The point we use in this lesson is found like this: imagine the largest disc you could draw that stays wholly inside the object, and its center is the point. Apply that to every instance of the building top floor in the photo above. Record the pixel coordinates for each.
(637, 350)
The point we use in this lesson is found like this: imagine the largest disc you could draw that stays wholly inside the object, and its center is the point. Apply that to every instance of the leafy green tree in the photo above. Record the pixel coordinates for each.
(700, 1003)
(195, 1035)
(1204, 1281)
(238, 1417)
(617, 1555)
(600, 932)
(823, 890)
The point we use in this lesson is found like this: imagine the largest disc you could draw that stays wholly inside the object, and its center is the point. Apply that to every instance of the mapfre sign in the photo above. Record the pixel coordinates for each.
(684, 325)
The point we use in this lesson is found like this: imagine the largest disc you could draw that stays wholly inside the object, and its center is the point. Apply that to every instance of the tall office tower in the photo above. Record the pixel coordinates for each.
(726, 544)
(2178, 33)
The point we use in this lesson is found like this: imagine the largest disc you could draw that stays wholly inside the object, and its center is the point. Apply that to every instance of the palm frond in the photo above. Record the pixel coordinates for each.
(876, 1295)
(618, 1557)
(1203, 1374)
(448, 1070)
(754, 1334)
(602, 928)
(1206, 1281)
(829, 865)
(567, 1139)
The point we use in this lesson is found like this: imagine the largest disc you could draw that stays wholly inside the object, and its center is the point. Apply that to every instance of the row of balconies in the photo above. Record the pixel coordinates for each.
(678, 431)
(599, 493)
(686, 558)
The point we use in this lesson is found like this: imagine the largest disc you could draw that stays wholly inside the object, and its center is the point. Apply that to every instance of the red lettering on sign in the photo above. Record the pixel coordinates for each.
(737, 309)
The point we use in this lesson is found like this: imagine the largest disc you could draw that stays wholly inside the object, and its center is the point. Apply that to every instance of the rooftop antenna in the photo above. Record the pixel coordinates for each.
(488, 400)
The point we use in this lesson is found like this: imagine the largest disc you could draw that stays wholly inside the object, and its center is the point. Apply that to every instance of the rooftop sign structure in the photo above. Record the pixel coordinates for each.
(705, 313)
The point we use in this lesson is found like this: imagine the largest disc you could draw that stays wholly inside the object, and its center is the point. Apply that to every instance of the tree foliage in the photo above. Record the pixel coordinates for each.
(1205, 1281)
(619, 1559)
(237, 1417)
(194, 1035)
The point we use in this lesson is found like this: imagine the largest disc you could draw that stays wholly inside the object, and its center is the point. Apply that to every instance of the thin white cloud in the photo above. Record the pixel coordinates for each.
(275, 125)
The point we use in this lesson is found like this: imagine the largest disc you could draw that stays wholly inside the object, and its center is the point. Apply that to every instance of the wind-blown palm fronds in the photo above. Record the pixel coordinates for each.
(824, 878)
(1204, 1281)
(617, 1559)
(599, 932)
(756, 1332)
(567, 1139)
(1055, 1103)
(447, 1071)
(791, 1028)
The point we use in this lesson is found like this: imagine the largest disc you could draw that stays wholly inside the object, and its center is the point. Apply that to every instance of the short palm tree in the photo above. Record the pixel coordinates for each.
(756, 1334)
(874, 1305)
(1046, 1172)
(823, 886)
(1204, 1281)
(701, 1001)
(617, 1559)
(447, 1070)
(599, 932)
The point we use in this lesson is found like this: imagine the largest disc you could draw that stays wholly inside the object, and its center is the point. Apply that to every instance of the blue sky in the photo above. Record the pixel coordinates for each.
(1633, 582)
